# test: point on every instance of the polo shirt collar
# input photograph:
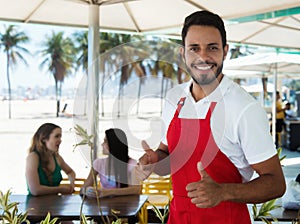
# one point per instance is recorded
(217, 94)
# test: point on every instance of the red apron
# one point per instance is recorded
(191, 141)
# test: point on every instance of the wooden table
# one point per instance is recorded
(282, 215)
(285, 215)
(67, 207)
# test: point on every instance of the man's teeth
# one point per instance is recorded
(203, 67)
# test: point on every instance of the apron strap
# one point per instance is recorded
(210, 110)
(180, 104)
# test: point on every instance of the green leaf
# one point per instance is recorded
(265, 210)
(157, 211)
(254, 210)
(47, 219)
(118, 221)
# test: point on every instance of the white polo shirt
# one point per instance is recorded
(239, 124)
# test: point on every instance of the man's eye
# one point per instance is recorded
(213, 48)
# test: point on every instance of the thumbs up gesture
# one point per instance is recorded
(205, 193)
(149, 157)
(146, 164)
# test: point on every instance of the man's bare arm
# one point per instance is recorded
(270, 184)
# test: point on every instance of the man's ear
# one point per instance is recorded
(182, 53)
(225, 51)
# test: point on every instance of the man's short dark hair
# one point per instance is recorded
(204, 18)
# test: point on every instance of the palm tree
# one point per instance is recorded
(81, 42)
(81, 62)
(119, 58)
(58, 55)
(11, 41)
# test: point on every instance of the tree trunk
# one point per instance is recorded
(57, 98)
(9, 86)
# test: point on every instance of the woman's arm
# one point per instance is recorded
(106, 192)
(68, 170)
(33, 180)
(89, 181)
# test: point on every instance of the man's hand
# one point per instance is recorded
(205, 193)
(150, 157)
(145, 165)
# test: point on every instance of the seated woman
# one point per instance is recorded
(116, 172)
(44, 164)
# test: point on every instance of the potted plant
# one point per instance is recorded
(10, 213)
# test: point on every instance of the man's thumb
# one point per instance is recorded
(201, 170)
(145, 145)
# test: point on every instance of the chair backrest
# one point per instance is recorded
(158, 185)
(78, 183)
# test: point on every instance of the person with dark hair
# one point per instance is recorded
(217, 137)
(289, 112)
(44, 163)
(115, 171)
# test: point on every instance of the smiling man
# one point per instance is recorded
(217, 136)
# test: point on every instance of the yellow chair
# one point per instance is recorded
(159, 191)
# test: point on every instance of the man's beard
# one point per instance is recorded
(205, 79)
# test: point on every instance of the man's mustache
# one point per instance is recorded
(201, 63)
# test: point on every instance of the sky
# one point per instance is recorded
(31, 75)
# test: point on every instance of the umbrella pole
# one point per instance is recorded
(93, 73)
(274, 104)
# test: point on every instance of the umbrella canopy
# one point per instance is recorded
(279, 32)
(258, 88)
(268, 63)
(166, 16)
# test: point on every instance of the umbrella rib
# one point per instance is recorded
(196, 5)
(281, 26)
(128, 10)
(261, 30)
(294, 18)
(27, 19)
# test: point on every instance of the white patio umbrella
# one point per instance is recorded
(267, 64)
(258, 88)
